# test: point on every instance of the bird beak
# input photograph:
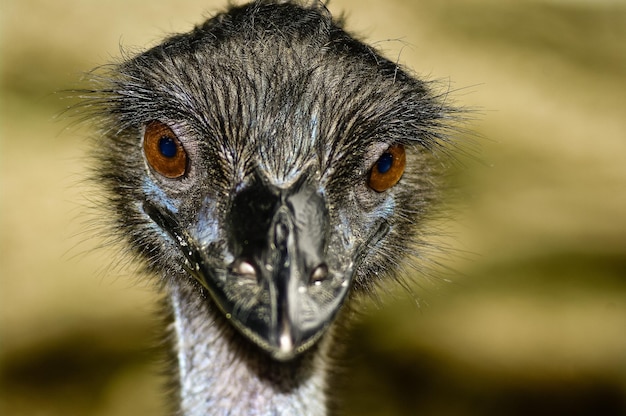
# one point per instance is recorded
(280, 291)
(285, 282)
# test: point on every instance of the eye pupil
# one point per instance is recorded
(167, 147)
(384, 163)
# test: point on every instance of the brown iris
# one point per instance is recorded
(388, 169)
(164, 151)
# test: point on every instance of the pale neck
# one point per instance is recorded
(220, 373)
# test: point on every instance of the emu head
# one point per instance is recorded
(270, 161)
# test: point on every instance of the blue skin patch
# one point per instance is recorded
(207, 228)
(158, 196)
(385, 162)
(167, 147)
(388, 208)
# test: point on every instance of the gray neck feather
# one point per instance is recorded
(221, 374)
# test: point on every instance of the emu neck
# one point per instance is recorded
(221, 373)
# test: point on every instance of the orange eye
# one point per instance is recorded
(163, 150)
(388, 169)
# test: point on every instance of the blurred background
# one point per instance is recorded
(527, 313)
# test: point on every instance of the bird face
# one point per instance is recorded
(278, 258)
(268, 166)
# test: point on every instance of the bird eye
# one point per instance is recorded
(164, 152)
(388, 169)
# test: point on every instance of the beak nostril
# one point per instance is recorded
(319, 274)
(244, 268)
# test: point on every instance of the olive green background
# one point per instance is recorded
(526, 313)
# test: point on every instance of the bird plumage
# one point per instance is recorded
(268, 223)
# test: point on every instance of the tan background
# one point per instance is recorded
(534, 321)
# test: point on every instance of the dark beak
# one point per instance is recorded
(279, 291)
(282, 286)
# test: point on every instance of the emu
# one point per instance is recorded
(271, 169)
